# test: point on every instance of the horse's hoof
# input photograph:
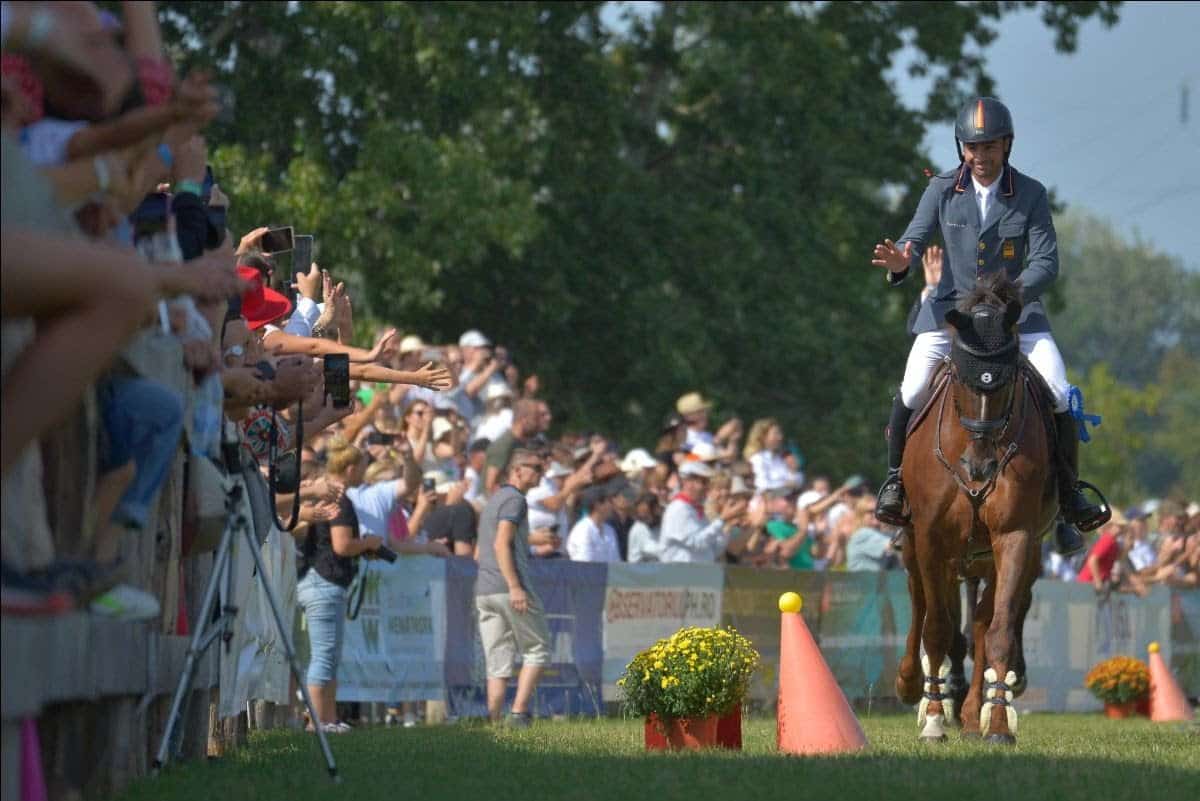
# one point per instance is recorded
(972, 735)
(1001, 739)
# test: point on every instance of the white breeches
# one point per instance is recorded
(930, 348)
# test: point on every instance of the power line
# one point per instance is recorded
(1182, 189)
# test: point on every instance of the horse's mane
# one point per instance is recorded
(992, 290)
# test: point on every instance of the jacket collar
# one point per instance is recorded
(1007, 181)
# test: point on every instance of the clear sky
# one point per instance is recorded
(1102, 125)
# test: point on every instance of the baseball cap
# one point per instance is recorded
(497, 389)
(411, 343)
(808, 498)
(637, 460)
(473, 339)
(703, 451)
(697, 469)
(556, 470)
(1135, 513)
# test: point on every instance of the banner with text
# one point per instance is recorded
(393, 649)
(646, 602)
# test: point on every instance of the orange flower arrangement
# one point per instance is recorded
(1118, 680)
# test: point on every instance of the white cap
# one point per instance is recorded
(637, 460)
(411, 343)
(441, 427)
(473, 339)
(698, 469)
(808, 498)
(556, 470)
(496, 389)
(704, 451)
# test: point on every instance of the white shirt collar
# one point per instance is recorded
(990, 189)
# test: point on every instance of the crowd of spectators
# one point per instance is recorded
(124, 289)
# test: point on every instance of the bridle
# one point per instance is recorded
(981, 429)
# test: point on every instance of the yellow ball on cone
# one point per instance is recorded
(790, 602)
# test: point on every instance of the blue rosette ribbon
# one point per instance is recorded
(1082, 418)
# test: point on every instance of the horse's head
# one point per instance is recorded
(984, 355)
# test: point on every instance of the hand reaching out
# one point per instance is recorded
(383, 346)
(893, 258)
(433, 376)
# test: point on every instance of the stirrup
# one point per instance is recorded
(890, 517)
(1101, 515)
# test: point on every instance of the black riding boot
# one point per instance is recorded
(1073, 506)
(889, 507)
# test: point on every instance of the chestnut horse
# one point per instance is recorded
(981, 489)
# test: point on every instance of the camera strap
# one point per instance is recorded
(358, 591)
(272, 476)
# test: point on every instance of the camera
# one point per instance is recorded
(429, 485)
(386, 554)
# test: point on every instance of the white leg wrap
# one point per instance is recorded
(930, 687)
(985, 714)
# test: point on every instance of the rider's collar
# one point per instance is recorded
(1007, 183)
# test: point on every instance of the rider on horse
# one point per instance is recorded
(991, 218)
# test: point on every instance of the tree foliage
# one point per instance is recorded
(684, 200)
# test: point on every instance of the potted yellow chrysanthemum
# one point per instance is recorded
(1120, 682)
(683, 684)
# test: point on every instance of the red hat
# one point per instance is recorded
(260, 303)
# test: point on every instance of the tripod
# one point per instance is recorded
(208, 629)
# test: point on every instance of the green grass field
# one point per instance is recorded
(1058, 757)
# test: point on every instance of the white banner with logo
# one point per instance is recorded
(645, 602)
(393, 649)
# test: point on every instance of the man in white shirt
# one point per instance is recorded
(687, 536)
(592, 539)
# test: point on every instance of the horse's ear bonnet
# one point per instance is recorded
(985, 350)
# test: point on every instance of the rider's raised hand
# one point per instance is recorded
(932, 260)
(889, 256)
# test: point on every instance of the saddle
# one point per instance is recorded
(939, 383)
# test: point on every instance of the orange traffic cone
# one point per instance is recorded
(1167, 701)
(814, 716)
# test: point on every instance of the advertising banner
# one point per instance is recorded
(572, 595)
(393, 648)
(646, 602)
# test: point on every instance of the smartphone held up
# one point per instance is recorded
(337, 379)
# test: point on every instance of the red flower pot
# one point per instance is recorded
(1125, 710)
(681, 734)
